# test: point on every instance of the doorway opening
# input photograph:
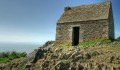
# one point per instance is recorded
(75, 36)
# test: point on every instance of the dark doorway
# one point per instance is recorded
(75, 39)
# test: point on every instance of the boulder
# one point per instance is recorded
(90, 65)
(58, 50)
(64, 65)
(66, 55)
(48, 43)
(110, 59)
(28, 65)
(1, 67)
(75, 53)
(80, 67)
(98, 67)
(45, 64)
(86, 68)
(113, 68)
(86, 56)
(72, 68)
(77, 58)
(53, 56)
(94, 53)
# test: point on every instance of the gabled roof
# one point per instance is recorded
(85, 12)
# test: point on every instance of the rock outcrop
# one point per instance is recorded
(51, 57)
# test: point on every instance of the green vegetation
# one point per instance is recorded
(64, 46)
(65, 61)
(94, 42)
(117, 39)
(7, 56)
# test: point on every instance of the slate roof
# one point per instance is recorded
(85, 12)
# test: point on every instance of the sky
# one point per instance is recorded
(35, 20)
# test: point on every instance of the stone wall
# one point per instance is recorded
(89, 30)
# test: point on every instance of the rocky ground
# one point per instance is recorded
(50, 57)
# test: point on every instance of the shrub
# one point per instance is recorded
(117, 39)
(7, 56)
(4, 60)
(22, 54)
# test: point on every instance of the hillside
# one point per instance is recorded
(51, 57)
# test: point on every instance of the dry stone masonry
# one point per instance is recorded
(94, 22)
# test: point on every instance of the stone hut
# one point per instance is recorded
(84, 23)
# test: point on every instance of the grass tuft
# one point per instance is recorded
(64, 46)
(94, 42)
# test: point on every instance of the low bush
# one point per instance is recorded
(7, 56)
(4, 60)
(117, 39)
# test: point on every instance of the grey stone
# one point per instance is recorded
(98, 67)
(28, 65)
(72, 68)
(45, 64)
(80, 67)
(86, 56)
(92, 29)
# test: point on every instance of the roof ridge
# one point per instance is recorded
(91, 4)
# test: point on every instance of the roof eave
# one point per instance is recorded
(81, 21)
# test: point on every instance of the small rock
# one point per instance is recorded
(64, 66)
(85, 68)
(1, 67)
(48, 49)
(90, 65)
(28, 65)
(87, 56)
(118, 68)
(58, 49)
(76, 58)
(98, 67)
(72, 68)
(80, 67)
(110, 59)
(94, 53)
(76, 53)
(45, 64)
(66, 55)
(71, 49)
(54, 56)
(112, 68)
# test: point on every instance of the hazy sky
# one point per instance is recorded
(35, 20)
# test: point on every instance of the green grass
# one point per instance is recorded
(117, 39)
(7, 56)
(94, 42)
(4, 60)
(64, 46)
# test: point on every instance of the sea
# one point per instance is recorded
(19, 47)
